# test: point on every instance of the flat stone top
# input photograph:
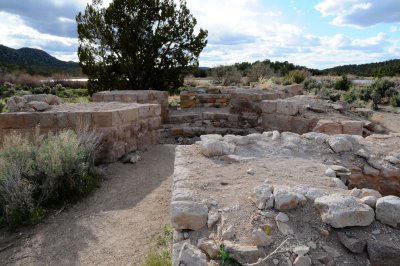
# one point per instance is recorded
(95, 107)
(200, 110)
(135, 92)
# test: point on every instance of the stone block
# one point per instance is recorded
(129, 115)
(328, 127)
(268, 106)
(277, 122)
(353, 127)
(285, 107)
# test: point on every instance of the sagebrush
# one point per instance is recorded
(38, 171)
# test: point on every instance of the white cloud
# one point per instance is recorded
(360, 13)
(393, 29)
(15, 33)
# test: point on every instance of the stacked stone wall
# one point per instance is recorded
(136, 96)
(124, 128)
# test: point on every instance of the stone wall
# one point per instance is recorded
(136, 96)
(124, 127)
(291, 115)
(195, 99)
(249, 100)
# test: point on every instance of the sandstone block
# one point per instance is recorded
(340, 144)
(353, 127)
(286, 107)
(343, 211)
(268, 106)
(189, 215)
(328, 127)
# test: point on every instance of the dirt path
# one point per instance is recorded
(112, 227)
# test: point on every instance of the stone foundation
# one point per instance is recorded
(249, 100)
(124, 127)
(294, 116)
(195, 99)
(136, 96)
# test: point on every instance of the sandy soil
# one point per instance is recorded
(388, 119)
(114, 226)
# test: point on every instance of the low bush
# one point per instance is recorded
(395, 101)
(342, 84)
(295, 76)
(38, 171)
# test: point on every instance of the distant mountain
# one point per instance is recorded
(380, 69)
(30, 57)
(34, 62)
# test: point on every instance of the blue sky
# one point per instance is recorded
(314, 33)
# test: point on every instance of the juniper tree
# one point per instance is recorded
(138, 44)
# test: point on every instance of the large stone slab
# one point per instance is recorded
(188, 215)
(343, 211)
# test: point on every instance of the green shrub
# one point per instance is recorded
(342, 84)
(38, 171)
(295, 76)
(395, 101)
(383, 87)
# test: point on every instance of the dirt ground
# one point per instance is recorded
(388, 119)
(113, 226)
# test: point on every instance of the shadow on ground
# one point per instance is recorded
(113, 226)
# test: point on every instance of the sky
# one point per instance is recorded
(313, 33)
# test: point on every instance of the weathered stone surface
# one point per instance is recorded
(264, 196)
(383, 253)
(285, 200)
(301, 250)
(39, 106)
(370, 201)
(328, 127)
(191, 255)
(314, 193)
(340, 144)
(244, 254)
(211, 148)
(228, 233)
(388, 211)
(353, 244)
(285, 228)
(342, 211)
(353, 127)
(286, 107)
(282, 217)
(213, 217)
(302, 261)
(330, 172)
(260, 239)
(268, 106)
(189, 215)
(369, 170)
(331, 251)
(210, 247)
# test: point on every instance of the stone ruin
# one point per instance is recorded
(323, 192)
(284, 199)
(124, 127)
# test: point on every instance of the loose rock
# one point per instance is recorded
(191, 255)
(302, 261)
(388, 211)
(383, 253)
(340, 144)
(264, 196)
(353, 244)
(212, 147)
(282, 217)
(342, 211)
(260, 238)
